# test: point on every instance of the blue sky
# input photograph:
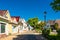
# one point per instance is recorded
(29, 8)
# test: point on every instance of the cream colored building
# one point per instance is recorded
(10, 25)
(5, 26)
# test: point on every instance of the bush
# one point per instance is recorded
(38, 30)
(45, 32)
(58, 31)
(54, 37)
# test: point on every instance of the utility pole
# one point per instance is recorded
(45, 17)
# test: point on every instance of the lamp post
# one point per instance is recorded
(45, 17)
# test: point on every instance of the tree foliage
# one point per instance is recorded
(33, 22)
(56, 5)
(41, 25)
(56, 26)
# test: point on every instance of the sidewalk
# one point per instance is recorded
(9, 37)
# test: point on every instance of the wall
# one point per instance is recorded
(9, 26)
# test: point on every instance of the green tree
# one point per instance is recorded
(33, 22)
(41, 25)
(56, 5)
(56, 26)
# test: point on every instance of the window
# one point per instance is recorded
(2, 28)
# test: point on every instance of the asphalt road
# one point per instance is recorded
(29, 37)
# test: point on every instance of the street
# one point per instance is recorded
(30, 36)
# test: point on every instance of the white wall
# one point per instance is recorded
(15, 30)
(6, 29)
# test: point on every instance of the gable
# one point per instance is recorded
(16, 18)
(8, 15)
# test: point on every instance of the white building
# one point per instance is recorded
(24, 26)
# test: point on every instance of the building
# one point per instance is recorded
(23, 25)
(58, 22)
(5, 26)
(11, 24)
(15, 20)
(51, 22)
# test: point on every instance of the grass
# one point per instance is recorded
(53, 34)
(53, 37)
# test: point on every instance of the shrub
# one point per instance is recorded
(58, 35)
(58, 31)
(45, 32)
(54, 37)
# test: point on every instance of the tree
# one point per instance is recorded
(56, 26)
(33, 22)
(56, 5)
(41, 25)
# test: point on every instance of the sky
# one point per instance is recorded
(30, 9)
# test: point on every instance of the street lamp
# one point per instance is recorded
(45, 17)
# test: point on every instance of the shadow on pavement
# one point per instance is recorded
(29, 37)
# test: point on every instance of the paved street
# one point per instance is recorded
(29, 37)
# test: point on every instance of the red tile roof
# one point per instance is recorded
(58, 21)
(16, 17)
(51, 22)
(3, 12)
